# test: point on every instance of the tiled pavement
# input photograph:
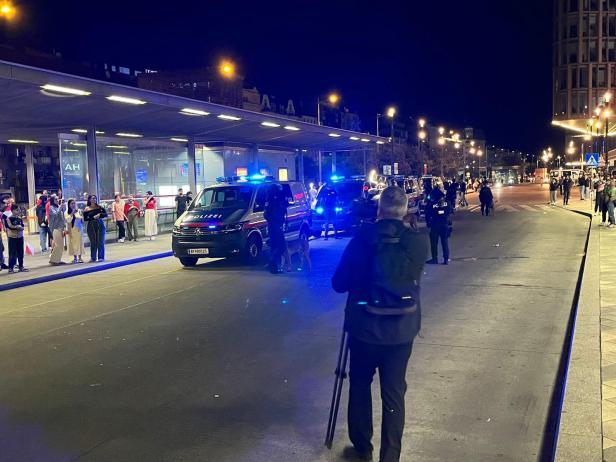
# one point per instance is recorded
(608, 341)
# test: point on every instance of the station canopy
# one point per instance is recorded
(37, 104)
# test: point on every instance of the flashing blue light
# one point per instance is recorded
(212, 226)
(257, 176)
(336, 178)
(362, 303)
(320, 210)
(338, 209)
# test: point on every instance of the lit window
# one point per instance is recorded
(283, 174)
(241, 171)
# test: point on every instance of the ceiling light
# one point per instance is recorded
(116, 146)
(228, 117)
(270, 124)
(354, 138)
(99, 133)
(179, 140)
(334, 135)
(194, 112)
(129, 135)
(365, 140)
(380, 142)
(124, 99)
(291, 127)
(122, 153)
(71, 150)
(18, 141)
(79, 144)
(79, 130)
(66, 90)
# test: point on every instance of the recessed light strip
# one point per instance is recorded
(20, 141)
(126, 100)
(179, 140)
(193, 112)
(270, 124)
(228, 117)
(129, 135)
(65, 90)
(291, 128)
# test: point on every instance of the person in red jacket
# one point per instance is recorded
(151, 216)
(132, 212)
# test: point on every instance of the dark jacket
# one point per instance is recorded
(554, 184)
(354, 274)
(567, 184)
(485, 195)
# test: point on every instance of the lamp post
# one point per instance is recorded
(333, 98)
(391, 113)
(7, 11)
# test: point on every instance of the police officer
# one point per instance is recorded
(275, 213)
(329, 204)
(438, 215)
(567, 185)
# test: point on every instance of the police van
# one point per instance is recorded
(227, 219)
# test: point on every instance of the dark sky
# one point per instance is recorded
(481, 63)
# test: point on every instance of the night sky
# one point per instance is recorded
(481, 63)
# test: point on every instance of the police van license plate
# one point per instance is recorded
(198, 251)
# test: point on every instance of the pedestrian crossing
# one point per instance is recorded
(533, 208)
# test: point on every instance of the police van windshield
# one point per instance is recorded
(226, 197)
(345, 192)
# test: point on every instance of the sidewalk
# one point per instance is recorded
(588, 419)
(115, 255)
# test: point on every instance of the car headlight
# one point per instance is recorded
(176, 230)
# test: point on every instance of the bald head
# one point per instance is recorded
(393, 203)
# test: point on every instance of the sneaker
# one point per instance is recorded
(352, 454)
(24, 270)
(11, 270)
(446, 262)
(80, 260)
(433, 261)
(120, 240)
(92, 260)
(610, 225)
(3, 266)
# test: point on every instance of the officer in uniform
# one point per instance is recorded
(438, 219)
(276, 214)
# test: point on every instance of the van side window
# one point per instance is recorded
(260, 199)
(299, 194)
(286, 188)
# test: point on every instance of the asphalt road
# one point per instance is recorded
(153, 362)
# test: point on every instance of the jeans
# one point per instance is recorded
(16, 252)
(485, 208)
(553, 197)
(582, 192)
(276, 244)
(43, 238)
(566, 194)
(392, 362)
(121, 229)
(441, 232)
(598, 199)
(96, 234)
(610, 211)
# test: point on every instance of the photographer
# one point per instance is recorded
(389, 254)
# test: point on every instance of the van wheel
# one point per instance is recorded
(188, 261)
(254, 247)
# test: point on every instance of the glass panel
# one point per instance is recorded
(209, 166)
(593, 26)
(562, 79)
(583, 102)
(593, 51)
(594, 5)
(594, 77)
(584, 77)
(137, 166)
(612, 25)
(574, 78)
(283, 174)
(572, 49)
(74, 167)
(602, 77)
(573, 5)
(574, 104)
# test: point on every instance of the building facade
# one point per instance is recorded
(584, 67)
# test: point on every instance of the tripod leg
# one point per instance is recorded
(340, 376)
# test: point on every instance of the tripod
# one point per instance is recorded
(341, 374)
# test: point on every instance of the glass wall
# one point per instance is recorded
(135, 166)
(209, 165)
(74, 167)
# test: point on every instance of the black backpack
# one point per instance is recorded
(392, 291)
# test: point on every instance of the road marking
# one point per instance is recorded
(528, 208)
(506, 208)
(515, 208)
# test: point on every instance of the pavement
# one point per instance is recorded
(223, 362)
(117, 253)
(590, 403)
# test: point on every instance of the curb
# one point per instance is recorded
(79, 272)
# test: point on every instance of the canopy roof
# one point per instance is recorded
(29, 112)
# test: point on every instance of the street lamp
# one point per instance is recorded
(391, 113)
(442, 141)
(333, 98)
(7, 11)
(226, 68)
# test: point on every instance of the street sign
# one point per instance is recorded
(395, 168)
(386, 169)
(592, 159)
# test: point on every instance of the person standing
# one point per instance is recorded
(93, 216)
(330, 200)
(3, 225)
(599, 187)
(74, 230)
(276, 214)
(567, 184)
(56, 226)
(189, 198)
(486, 199)
(15, 231)
(151, 216)
(553, 190)
(376, 340)
(312, 193)
(582, 185)
(610, 193)
(41, 218)
(181, 203)
(438, 214)
(463, 202)
(117, 213)
(132, 213)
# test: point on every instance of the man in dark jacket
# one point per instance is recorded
(553, 190)
(486, 199)
(567, 185)
(377, 341)
(438, 219)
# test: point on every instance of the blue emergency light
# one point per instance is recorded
(336, 178)
(320, 210)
